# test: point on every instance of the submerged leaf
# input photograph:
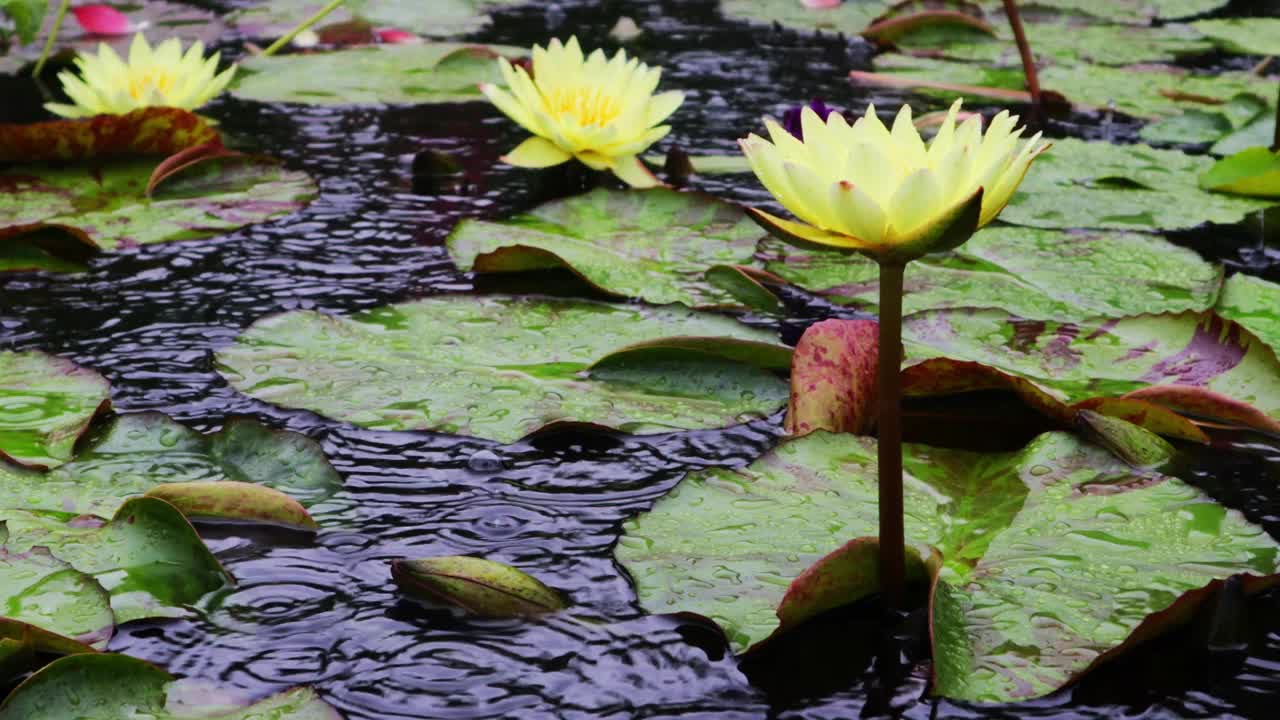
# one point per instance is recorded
(46, 403)
(481, 587)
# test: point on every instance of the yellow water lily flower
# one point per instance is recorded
(885, 193)
(162, 76)
(601, 111)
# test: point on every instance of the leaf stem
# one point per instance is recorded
(1024, 49)
(289, 36)
(53, 35)
(1275, 139)
(889, 453)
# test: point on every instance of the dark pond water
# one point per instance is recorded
(324, 612)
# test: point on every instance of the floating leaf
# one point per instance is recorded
(148, 556)
(655, 245)
(1252, 302)
(1059, 368)
(39, 589)
(439, 18)
(833, 378)
(1248, 36)
(502, 368)
(481, 587)
(1136, 446)
(402, 73)
(1100, 185)
(106, 205)
(46, 403)
(1210, 123)
(25, 648)
(1133, 12)
(1261, 131)
(1254, 172)
(231, 500)
(136, 454)
(147, 131)
(850, 18)
(1070, 548)
(108, 686)
(1034, 274)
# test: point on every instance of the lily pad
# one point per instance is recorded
(46, 403)
(39, 589)
(1059, 548)
(850, 17)
(1252, 302)
(147, 131)
(438, 18)
(26, 648)
(1082, 184)
(105, 205)
(157, 19)
(147, 556)
(1133, 12)
(480, 587)
(502, 367)
(1248, 36)
(407, 73)
(1034, 274)
(655, 245)
(136, 454)
(108, 686)
(1254, 172)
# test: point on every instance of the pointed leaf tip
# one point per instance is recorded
(481, 587)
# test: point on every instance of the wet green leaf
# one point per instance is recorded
(26, 16)
(1254, 172)
(135, 454)
(850, 17)
(1135, 12)
(1247, 36)
(38, 589)
(502, 367)
(1208, 123)
(1034, 274)
(481, 587)
(1254, 304)
(46, 402)
(1050, 556)
(1257, 133)
(108, 686)
(147, 556)
(1138, 447)
(231, 500)
(425, 73)
(655, 245)
(438, 18)
(105, 203)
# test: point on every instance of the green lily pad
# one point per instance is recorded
(425, 73)
(1068, 548)
(147, 556)
(1252, 302)
(1133, 12)
(850, 17)
(438, 18)
(138, 453)
(502, 367)
(46, 403)
(1034, 274)
(105, 204)
(1254, 172)
(1082, 184)
(1260, 132)
(1247, 36)
(39, 589)
(108, 686)
(1143, 357)
(655, 245)
(1212, 123)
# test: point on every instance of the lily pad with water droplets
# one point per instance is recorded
(1248, 36)
(437, 18)
(655, 245)
(46, 403)
(425, 73)
(1135, 12)
(503, 367)
(1058, 547)
(41, 590)
(1034, 274)
(849, 17)
(1253, 303)
(108, 686)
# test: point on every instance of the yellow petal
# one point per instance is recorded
(808, 199)
(511, 107)
(857, 213)
(661, 106)
(914, 204)
(536, 152)
(632, 171)
(802, 234)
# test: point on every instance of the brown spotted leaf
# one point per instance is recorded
(833, 378)
(153, 131)
(231, 500)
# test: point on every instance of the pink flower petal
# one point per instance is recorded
(395, 36)
(102, 20)
(820, 4)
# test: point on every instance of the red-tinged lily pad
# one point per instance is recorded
(655, 245)
(105, 204)
(479, 586)
(1129, 367)
(1076, 553)
(147, 556)
(833, 378)
(149, 131)
(46, 403)
(49, 594)
(140, 454)
(502, 368)
(107, 686)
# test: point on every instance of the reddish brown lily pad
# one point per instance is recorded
(149, 131)
(833, 378)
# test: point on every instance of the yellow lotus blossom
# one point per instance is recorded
(885, 193)
(163, 76)
(601, 111)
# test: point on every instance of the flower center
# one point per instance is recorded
(141, 83)
(587, 105)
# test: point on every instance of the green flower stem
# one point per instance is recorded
(1024, 49)
(889, 460)
(1275, 139)
(289, 36)
(53, 35)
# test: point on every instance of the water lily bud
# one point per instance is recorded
(481, 587)
(600, 111)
